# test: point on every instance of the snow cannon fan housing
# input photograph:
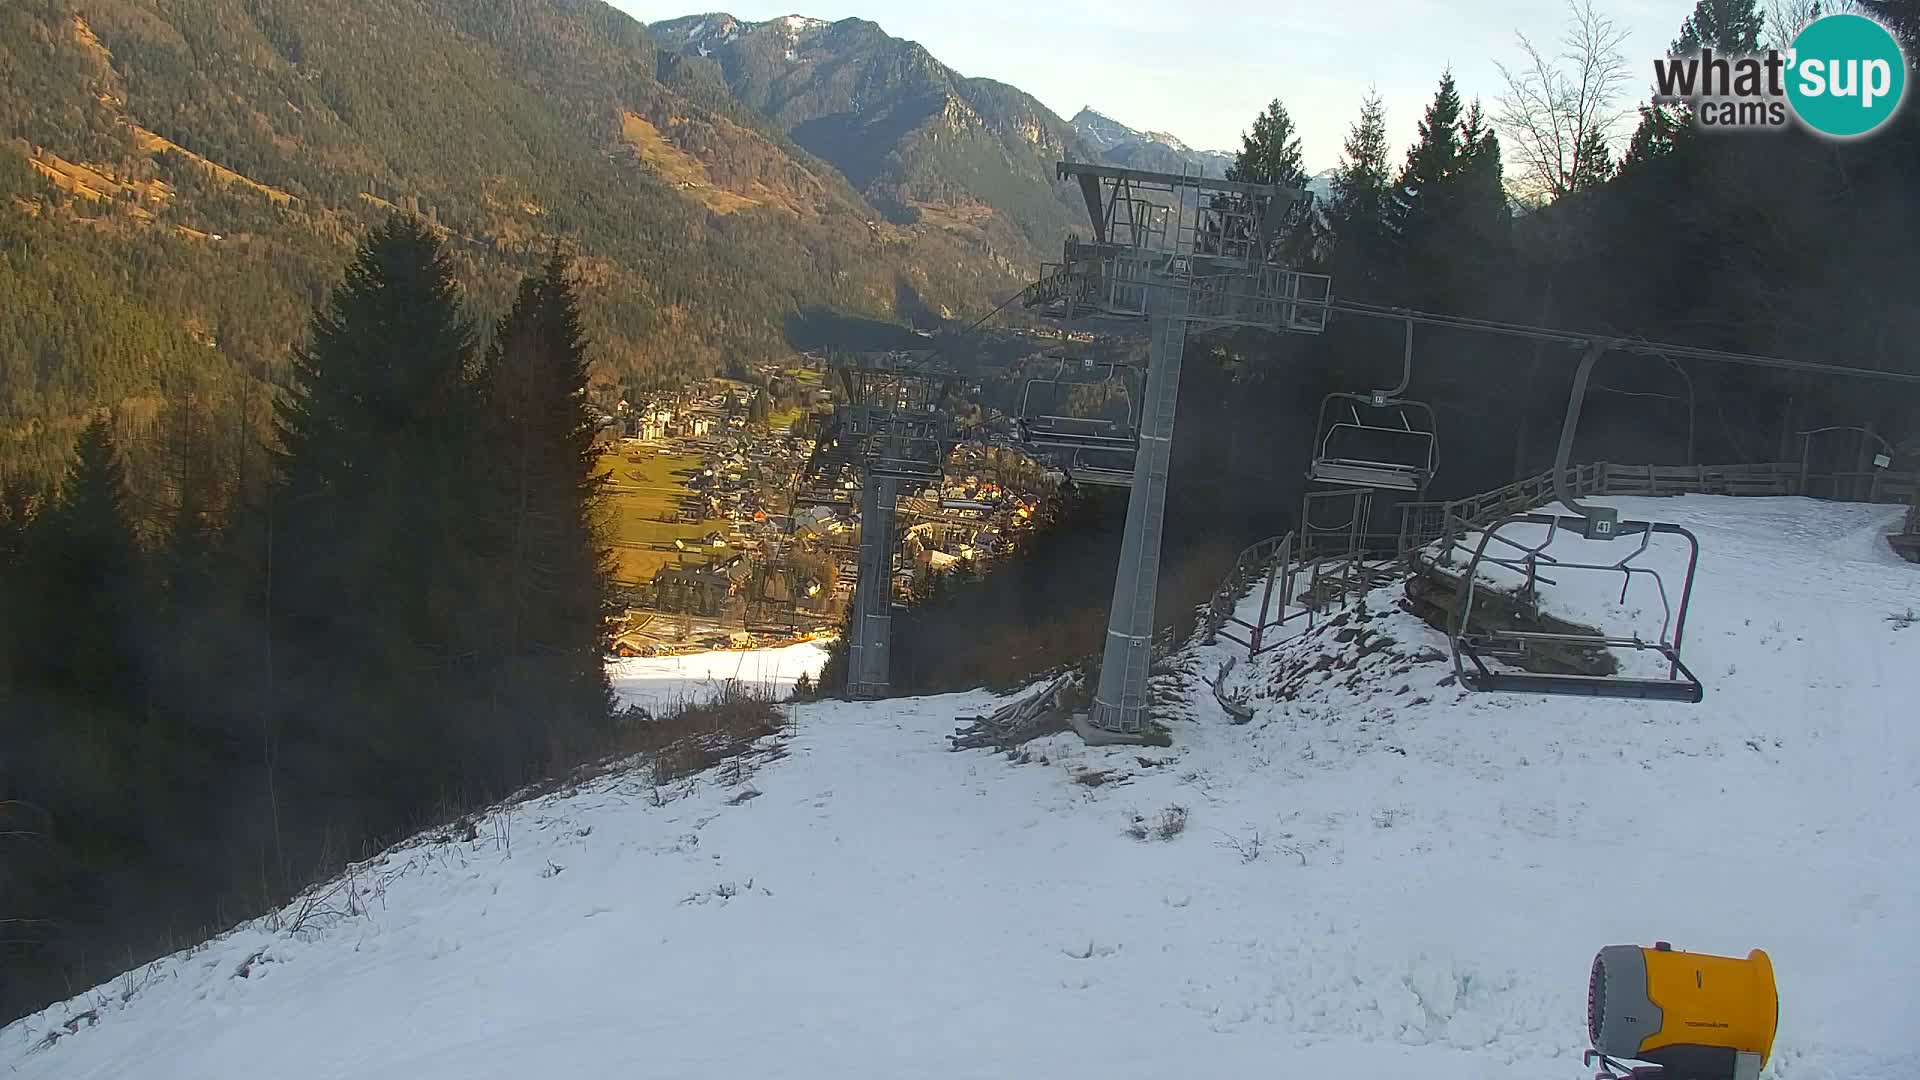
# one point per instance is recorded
(1692, 1016)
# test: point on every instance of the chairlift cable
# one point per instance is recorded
(1623, 343)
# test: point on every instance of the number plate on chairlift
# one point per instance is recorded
(1602, 523)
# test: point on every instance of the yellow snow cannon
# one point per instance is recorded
(1690, 1016)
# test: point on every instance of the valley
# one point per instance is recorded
(493, 493)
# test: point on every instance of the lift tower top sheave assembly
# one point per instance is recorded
(900, 432)
(1181, 252)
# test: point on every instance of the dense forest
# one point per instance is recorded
(212, 696)
(1781, 244)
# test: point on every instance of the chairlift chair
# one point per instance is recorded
(1349, 451)
(1382, 447)
(1471, 650)
(1081, 470)
(1679, 685)
(1071, 438)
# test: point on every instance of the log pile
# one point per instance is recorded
(1433, 595)
(1042, 712)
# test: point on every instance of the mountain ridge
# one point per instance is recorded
(1119, 144)
(920, 141)
(250, 141)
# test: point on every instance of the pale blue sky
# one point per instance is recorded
(1203, 70)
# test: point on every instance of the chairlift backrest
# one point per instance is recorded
(1371, 441)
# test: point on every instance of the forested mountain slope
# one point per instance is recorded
(206, 163)
(921, 141)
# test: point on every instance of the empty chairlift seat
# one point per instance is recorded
(1373, 442)
(1090, 450)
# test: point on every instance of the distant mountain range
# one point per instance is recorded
(719, 179)
(921, 142)
(1118, 144)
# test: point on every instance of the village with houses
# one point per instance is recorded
(714, 545)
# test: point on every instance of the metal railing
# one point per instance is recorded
(1298, 579)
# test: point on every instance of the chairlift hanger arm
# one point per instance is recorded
(1406, 372)
(1576, 398)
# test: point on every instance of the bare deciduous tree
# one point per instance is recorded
(1559, 113)
(1786, 18)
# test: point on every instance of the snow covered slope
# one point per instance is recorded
(1378, 877)
(661, 682)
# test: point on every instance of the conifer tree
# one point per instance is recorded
(1270, 153)
(86, 569)
(1662, 129)
(1432, 161)
(1426, 197)
(372, 588)
(1482, 201)
(1479, 234)
(17, 505)
(1900, 16)
(1725, 26)
(1361, 201)
(545, 565)
(1595, 160)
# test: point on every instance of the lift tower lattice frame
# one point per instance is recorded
(1185, 254)
(899, 430)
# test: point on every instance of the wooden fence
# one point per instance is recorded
(1423, 523)
(1323, 574)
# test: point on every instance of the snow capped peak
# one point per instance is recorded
(796, 24)
(1104, 131)
(713, 29)
(1166, 139)
(704, 33)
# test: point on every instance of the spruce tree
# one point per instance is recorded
(1361, 201)
(87, 584)
(545, 564)
(1903, 18)
(1593, 162)
(1662, 129)
(1479, 232)
(1725, 26)
(1270, 153)
(1481, 201)
(371, 586)
(1432, 161)
(18, 501)
(1425, 200)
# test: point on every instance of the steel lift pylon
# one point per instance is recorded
(899, 431)
(1183, 253)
